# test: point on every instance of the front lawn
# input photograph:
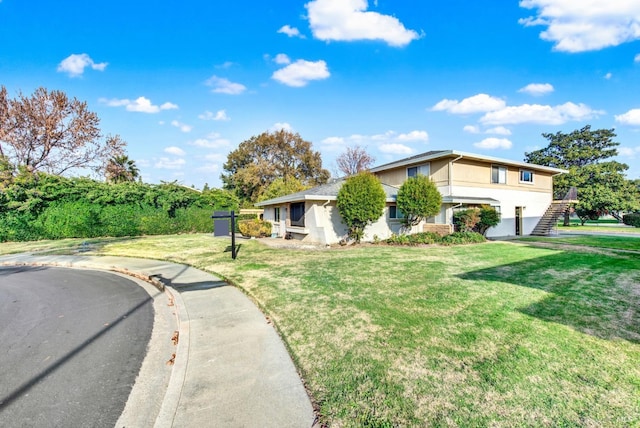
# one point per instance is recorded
(631, 243)
(496, 334)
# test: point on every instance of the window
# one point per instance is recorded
(526, 176)
(395, 213)
(297, 214)
(420, 169)
(276, 214)
(498, 174)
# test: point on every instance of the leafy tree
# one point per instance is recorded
(49, 132)
(120, 169)
(281, 187)
(489, 217)
(258, 161)
(418, 199)
(466, 220)
(601, 183)
(361, 201)
(354, 160)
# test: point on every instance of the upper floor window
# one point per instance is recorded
(420, 169)
(498, 174)
(526, 176)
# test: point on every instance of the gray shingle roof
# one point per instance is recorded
(324, 192)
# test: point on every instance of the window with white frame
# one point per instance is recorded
(276, 214)
(526, 176)
(498, 174)
(395, 213)
(419, 169)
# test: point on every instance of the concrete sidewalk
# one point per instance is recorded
(231, 367)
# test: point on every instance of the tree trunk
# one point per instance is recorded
(567, 222)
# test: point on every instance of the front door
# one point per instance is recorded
(518, 221)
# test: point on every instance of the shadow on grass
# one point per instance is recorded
(591, 293)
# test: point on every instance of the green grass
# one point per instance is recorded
(497, 334)
(608, 242)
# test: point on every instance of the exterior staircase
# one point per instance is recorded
(553, 213)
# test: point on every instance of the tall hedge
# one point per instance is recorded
(43, 206)
(361, 201)
(418, 199)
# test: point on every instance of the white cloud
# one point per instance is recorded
(480, 103)
(395, 148)
(281, 126)
(212, 141)
(636, 58)
(220, 115)
(75, 64)
(182, 126)
(629, 152)
(494, 143)
(333, 143)
(540, 114)
(216, 157)
(348, 20)
(141, 105)
(173, 150)
(414, 136)
(537, 89)
(221, 85)
(282, 59)
(387, 142)
(498, 130)
(608, 76)
(301, 72)
(290, 31)
(632, 117)
(585, 25)
(166, 163)
(210, 168)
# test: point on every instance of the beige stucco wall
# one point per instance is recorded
(534, 205)
(466, 172)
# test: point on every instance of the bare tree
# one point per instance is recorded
(354, 160)
(49, 132)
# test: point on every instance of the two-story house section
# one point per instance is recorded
(521, 192)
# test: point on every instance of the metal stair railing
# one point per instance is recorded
(553, 212)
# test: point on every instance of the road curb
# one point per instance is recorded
(173, 394)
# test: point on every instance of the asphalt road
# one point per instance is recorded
(71, 345)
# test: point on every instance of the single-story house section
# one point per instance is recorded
(521, 192)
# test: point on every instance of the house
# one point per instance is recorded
(521, 192)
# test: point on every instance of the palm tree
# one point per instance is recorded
(121, 169)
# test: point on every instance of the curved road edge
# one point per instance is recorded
(231, 367)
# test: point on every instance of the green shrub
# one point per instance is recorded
(71, 220)
(120, 220)
(156, 222)
(361, 201)
(489, 217)
(19, 226)
(418, 199)
(194, 220)
(466, 220)
(255, 228)
(631, 219)
(457, 238)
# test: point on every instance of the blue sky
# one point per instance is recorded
(185, 82)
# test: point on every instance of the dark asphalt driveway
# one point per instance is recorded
(71, 345)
